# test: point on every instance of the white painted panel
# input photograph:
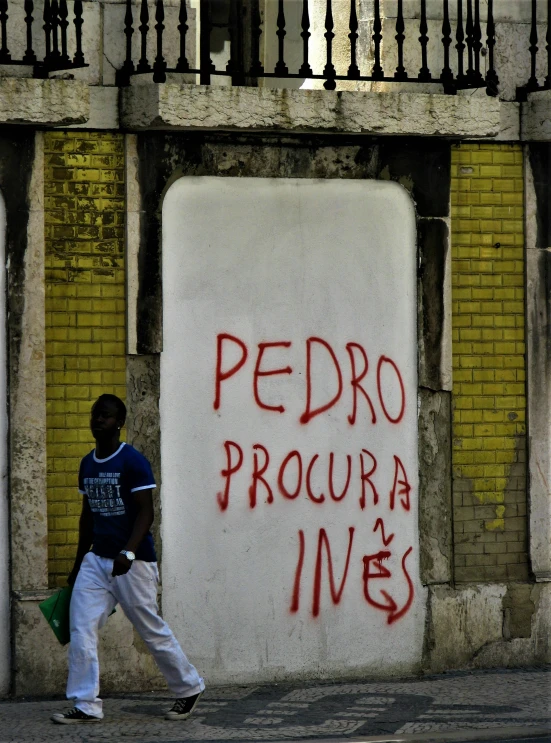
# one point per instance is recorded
(312, 266)
(5, 654)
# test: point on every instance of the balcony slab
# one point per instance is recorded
(43, 102)
(536, 117)
(186, 107)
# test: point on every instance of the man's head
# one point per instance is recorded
(107, 417)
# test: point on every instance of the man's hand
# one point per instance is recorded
(121, 565)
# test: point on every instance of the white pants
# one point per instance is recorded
(95, 595)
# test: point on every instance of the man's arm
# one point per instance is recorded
(142, 524)
(85, 538)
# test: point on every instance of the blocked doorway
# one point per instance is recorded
(289, 427)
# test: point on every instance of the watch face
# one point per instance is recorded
(129, 555)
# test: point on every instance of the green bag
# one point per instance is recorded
(56, 612)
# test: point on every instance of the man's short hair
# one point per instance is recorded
(121, 407)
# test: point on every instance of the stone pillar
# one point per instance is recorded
(27, 395)
(538, 350)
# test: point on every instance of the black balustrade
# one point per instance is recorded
(143, 64)
(235, 66)
(281, 69)
(54, 26)
(446, 76)
(460, 55)
(5, 56)
(257, 68)
(329, 71)
(159, 68)
(305, 68)
(538, 81)
(29, 57)
(400, 37)
(377, 73)
(353, 69)
(492, 80)
(183, 28)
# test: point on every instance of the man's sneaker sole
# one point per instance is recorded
(60, 719)
(184, 716)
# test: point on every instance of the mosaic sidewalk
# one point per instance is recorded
(482, 701)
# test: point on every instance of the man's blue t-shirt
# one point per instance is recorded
(109, 485)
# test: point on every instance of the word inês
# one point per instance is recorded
(388, 379)
(374, 571)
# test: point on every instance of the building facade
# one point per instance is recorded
(323, 296)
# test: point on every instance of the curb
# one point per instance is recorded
(459, 736)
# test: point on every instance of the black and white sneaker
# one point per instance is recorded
(72, 717)
(183, 708)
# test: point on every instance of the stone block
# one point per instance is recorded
(104, 109)
(536, 117)
(43, 102)
(184, 107)
(489, 626)
(435, 502)
(463, 621)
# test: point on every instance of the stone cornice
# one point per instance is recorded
(187, 107)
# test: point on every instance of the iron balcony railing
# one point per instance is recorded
(53, 38)
(537, 81)
(466, 44)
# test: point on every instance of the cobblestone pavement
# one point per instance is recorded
(497, 700)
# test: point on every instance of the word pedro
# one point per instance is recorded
(359, 366)
(302, 476)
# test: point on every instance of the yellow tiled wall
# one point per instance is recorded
(85, 313)
(489, 404)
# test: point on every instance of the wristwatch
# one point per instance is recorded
(129, 555)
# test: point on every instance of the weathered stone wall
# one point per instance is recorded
(88, 97)
(485, 626)
(538, 340)
(5, 603)
(188, 107)
(85, 330)
(21, 152)
(501, 623)
(505, 624)
(297, 134)
(423, 168)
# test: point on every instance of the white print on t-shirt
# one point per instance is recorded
(104, 494)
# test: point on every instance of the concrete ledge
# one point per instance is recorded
(498, 734)
(536, 117)
(43, 102)
(181, 107)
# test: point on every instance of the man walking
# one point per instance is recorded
(116, 483)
